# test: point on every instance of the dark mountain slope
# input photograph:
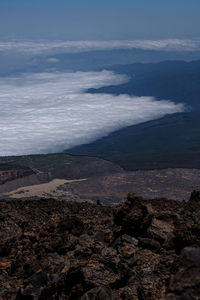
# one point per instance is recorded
(178, 81)
(172, 141)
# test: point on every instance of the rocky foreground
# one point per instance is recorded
(143, 249)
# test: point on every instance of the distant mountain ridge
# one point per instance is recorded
(15, 63)
(178, 81)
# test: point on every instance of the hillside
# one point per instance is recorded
(170, 142)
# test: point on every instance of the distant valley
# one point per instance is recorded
(82, 178)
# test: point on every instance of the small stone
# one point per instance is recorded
(149, 244)
(100, 293)
(5, 265)
(191, 254)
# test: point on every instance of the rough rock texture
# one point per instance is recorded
(9, 175)
(143, 249)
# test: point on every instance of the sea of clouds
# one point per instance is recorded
(50, 112)
(51, 47)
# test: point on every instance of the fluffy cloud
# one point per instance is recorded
(49, 112)
(52, 47)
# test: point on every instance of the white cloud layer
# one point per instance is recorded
(51, 47)
(49, 112)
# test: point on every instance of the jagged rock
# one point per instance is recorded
(4, 264)
(160, 230)
(99, 293)
(130, 215)
(35, 285)
(103, 235)
(72, 224)
(125, 238)
(132, 197)
(142, 249)
(195, 197)
(126, 246)
(149, 244)
(191, 255)
(186, 281)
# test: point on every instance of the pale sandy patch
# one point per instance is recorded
(49, 189)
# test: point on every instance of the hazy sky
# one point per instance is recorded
(99, 19)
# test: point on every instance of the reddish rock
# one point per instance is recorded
(142, 249)
(9, 175)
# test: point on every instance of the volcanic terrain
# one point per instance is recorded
(142, 249)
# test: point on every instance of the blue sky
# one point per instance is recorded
(99, 20)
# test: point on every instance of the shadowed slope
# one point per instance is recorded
(170, 142)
